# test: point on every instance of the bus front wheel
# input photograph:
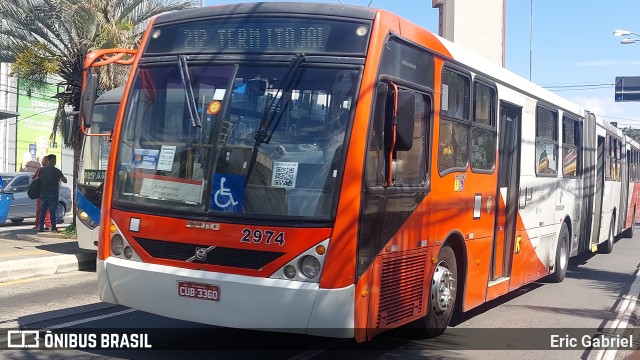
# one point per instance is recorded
(442, 293)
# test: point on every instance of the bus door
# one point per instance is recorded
(589, 156)
(508, 185)
(597, 212)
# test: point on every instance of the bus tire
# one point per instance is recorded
(607, 246)
(562, 255)
(442, 293)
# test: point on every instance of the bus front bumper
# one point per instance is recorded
(243, 301)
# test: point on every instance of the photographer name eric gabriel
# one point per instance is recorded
(598, 341)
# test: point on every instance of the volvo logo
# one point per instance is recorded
(201, 254)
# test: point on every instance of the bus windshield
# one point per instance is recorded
(95, 151)
(269, 142)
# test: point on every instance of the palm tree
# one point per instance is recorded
(44, 38)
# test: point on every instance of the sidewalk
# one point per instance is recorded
(25, 253)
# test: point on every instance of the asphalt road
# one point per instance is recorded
(597, 290)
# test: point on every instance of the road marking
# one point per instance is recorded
(83, 321)
(625, 311)
(21, 281)
(24, 252)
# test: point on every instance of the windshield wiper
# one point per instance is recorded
(262, 134)
(188, 91)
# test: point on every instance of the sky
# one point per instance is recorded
(572, 44)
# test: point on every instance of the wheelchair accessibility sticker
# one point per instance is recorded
(227, 192)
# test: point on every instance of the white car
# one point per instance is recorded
(22, 207)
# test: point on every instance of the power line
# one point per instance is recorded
(578, 86)
(582, 89)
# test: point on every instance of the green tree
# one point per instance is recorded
(44, 38)
(633, 133)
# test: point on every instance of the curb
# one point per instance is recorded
(25, 268)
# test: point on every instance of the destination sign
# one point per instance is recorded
(94, 175)
(261, 35)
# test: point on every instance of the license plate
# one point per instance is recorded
(198, 291)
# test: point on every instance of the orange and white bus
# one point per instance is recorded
(337, 170)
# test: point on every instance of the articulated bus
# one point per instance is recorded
(337, 170)
(93, 166)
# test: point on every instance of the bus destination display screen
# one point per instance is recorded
(260, 36)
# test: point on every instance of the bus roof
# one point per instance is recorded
(349, 11)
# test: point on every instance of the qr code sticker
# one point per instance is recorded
(284, 174)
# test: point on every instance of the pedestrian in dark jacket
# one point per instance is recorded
(50, 178)
(47, 220)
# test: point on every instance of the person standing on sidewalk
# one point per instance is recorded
(47, 220)
(50, 177)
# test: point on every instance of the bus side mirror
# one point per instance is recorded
(88, 99)
(378, 140)
(405, 117)
(68, 126)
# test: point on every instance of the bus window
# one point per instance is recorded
(570, 147)
(454, 124)
(483, 130)
(546, 142)
(409, 165)
(452, 152)
(272, 146)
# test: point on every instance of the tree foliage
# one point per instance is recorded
(633, 133)
(50, 38)
(44, 38)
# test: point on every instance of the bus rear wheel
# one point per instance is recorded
(442, 293)
(607, 246)
(562, 255)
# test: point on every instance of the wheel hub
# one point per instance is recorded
(442, 289)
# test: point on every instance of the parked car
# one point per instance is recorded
(22, 207)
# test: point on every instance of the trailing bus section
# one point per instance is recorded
(95, 157)
(337, 170)
(98, 118)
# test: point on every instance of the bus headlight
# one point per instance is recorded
(310, 266)
(120, 247)
(307, 266)
(117, 245)
(290, 271)
(128, 252)
(86, 220)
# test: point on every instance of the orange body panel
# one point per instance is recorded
(363, 295)
(297, 240)
(478, 265)
(107, 195)
(634, 205)
(518, 263)
(341, 262)
(497, 289)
